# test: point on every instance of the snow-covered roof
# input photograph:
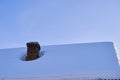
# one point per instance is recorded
(85, 59)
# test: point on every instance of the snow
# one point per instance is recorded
(58, 62)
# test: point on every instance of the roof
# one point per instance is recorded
(85, 58)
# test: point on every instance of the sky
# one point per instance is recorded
(53, 22)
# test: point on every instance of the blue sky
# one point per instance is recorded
(58, 21)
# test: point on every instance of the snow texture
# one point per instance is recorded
(62, 62)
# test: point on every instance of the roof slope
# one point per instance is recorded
(85, 58)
